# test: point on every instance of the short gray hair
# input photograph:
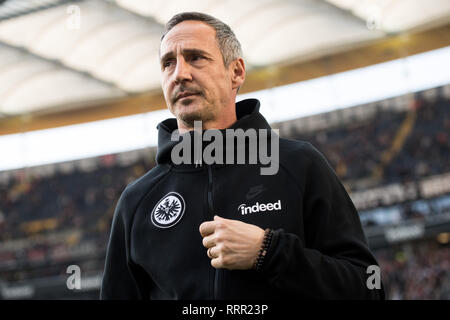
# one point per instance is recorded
(228, 43)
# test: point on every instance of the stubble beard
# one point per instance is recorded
(205, 113)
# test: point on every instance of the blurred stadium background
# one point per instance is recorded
(367, 82)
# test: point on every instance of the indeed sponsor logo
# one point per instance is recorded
(259, 207)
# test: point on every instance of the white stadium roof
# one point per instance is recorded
(57, 52)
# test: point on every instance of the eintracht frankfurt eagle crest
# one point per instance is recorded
(168, 211)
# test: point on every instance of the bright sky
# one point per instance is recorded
(360, 86)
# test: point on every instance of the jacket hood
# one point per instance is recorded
(248, 116)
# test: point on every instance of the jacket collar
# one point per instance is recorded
(248, 116)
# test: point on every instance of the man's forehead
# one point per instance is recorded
(189, 34)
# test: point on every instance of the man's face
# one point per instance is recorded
(196, 84)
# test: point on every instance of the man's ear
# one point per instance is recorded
(238, 73)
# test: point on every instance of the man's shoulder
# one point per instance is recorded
(303, 157)
(137, 189)
(300, 149)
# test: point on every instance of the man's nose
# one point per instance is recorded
(182, 71)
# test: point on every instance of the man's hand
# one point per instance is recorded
(231, 244)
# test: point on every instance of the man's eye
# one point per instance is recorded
(196, 57)
(167, 64)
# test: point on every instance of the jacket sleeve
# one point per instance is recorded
(122, 279)
(331, 261)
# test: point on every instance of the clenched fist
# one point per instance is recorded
(231, 244)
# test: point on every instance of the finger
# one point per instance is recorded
(213, 252)
(209, 241)
(206, 228)
(218, 218)
(216, 263)
(208, 253)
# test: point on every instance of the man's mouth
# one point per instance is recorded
(184, 95)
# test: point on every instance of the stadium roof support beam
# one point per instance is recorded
(61, 65)
(136, 14)
(30, 10)
(347, 13)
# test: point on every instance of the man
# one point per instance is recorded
(225, 231)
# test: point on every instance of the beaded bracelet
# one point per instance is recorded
(264, 248)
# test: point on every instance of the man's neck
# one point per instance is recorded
(222, 123)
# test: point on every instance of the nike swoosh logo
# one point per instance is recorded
(254, 191)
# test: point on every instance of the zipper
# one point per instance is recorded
(211, 212)
(210, 199)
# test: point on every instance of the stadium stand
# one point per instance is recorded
(415, 271)
(392, 157)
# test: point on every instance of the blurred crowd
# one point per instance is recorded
(427, 149)
(49, 223)
(357, 150)
(79, 205)
(81, 200)
(416, 271)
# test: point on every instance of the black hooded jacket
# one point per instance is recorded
(318, 249)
